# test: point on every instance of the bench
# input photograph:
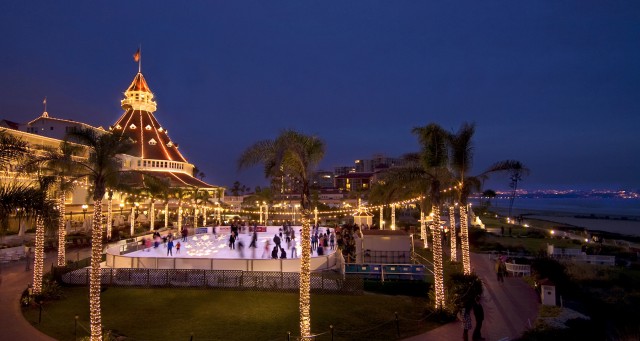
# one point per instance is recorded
(518, 269)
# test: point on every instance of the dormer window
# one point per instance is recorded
(170, 144)
(132, 126)
(160, 129)
(152, 142)
(148, 127)
(118, 126)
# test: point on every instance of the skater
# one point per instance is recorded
(170, 247)
(274, 252)
(276, 240)
(267, 246)
(283, 254)
(232, 241)
(332, 241)
(147, 243)
(241, 248)
(185, 233)
(178, 248)
(294, 249)
(254, 239)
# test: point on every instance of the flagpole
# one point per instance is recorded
(140, 59)
(45, 103)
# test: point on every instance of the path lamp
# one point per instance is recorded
(121, 207)
(84, 212)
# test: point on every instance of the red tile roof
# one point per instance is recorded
(139, 84)
(150, 143)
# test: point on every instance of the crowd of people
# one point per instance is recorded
(282, 245)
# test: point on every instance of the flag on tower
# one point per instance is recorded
(136, 56)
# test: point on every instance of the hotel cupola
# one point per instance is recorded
(153, 152)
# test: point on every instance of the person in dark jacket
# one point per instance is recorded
(274, 253)
(276, 240)
(478, 312)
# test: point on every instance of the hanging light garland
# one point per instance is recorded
(95, 316)
(38, 263)
(62, 230)
(438, 271)
(452, 228)
(464, 240)
(305, 277)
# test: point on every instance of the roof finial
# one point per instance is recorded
(138, 57)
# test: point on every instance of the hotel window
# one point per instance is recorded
(132, 126)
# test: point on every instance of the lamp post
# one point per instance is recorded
(84, 212)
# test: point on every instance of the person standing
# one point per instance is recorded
(466, 321)
(170, 247)
(276, 240)
(478, 312)
(499, 273)
(178, 248)
(232, 241)
(294, 249)
(254, 239)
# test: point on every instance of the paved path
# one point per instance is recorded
(509, 308)
(13, 280)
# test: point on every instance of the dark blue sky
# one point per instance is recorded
(555, 84)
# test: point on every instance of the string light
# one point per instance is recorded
(393, 217)
(452, 228)
(62, 230)
(438, 272)
(153, 214)
(305, 276)
(109, 216)
(95, 316)
(464, 240)
(423, 229)
(38, 263)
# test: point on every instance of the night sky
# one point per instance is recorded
(554, 84)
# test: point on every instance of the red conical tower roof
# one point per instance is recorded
(139, 84)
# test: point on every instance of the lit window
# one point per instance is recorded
(160, 129)
(118, 126)
(152, 142)
(170, 144)
(148, 127)
(132, 126)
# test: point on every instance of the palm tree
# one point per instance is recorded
(60, 163)
(44, 211)
(465, 184)
(98, 168)
(461, 162)
(181, 194)
(433, 157)
(155, 188)
(12, 149)
(295, 154)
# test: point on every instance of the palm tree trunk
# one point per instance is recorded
(179, 216)
(152, 212)
(62, 231)
(132, 219)
(438, 271)
(95, 273)
(166, 215)
(38, 264)
(305, 276)
(109, 216)
(452, 228)
(464, 240)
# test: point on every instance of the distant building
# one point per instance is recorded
(354, 181)
(342, 170)
(323, 179)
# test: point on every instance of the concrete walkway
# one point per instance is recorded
(13, 280)
(509, 308)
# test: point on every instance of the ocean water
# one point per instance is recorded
(577, 206)
(565, 210)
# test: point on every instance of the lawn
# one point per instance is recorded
(173, 314)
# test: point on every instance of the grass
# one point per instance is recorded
(173, 314)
